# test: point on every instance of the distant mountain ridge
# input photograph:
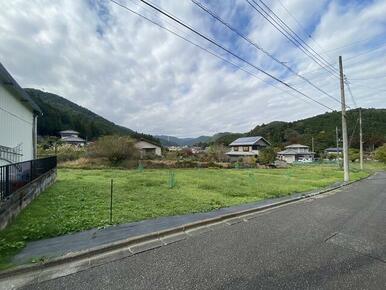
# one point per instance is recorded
(175, 141)
(322, 129)
(61, 114)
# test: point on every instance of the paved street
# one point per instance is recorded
(334, 241)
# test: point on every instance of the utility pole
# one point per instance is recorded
(360, 139)
(312, 144)
(337, 145)
(344, 124)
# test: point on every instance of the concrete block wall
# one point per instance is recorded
(11, 207)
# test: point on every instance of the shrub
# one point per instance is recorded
(114, 148)
(217, 152)
(267, 156)
(380, 153)
(249, 160)
(64, 152)
(353, 154)
(332, 156)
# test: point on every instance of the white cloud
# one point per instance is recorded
(134, 73)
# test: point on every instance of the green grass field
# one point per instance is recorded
(80, 199)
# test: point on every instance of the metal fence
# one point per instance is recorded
(16, 175)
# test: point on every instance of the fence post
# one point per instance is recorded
(30, 171)
(7, 182)
(111, 202)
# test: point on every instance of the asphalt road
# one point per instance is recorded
(334, 241)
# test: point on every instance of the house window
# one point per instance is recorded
(246, 148)
(236, 148)
(254, 147)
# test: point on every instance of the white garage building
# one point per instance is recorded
(18, 121)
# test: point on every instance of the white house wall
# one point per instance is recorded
(16, 124)
(147, 145)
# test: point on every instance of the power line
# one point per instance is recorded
(299, 24)
(349, 44)
(228, 51)
(350, 92)
(366, 52)
(294, 34)
(294, 41)
(353, 132)
(368, 79)
(213, 14)
(214, 54)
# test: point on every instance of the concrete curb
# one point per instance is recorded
(130, 242)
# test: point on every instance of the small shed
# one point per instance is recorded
(148, 149)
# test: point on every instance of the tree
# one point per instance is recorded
(217, 152)
(292, 136)
(380, 153)
(267, 156)
(114, 148)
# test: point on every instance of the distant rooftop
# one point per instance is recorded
(69, 132)
(72, 139)
(247, 141)
(294, 152)
(296, 146)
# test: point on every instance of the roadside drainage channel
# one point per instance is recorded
(82, 260)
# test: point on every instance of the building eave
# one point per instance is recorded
(11, 85)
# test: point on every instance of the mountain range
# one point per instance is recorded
(167, 140)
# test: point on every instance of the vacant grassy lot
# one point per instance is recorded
(80, 199)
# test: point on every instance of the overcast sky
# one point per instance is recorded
(138, 75)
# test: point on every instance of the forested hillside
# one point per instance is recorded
(322, 129)
(62, 114)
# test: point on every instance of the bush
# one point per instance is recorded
(353, 154)
(267, 156)
(380, 153)
(217, 152)
(64, 152)
(114, 148)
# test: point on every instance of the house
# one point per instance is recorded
(247, 147)
(18, 121)
(174, 148)
(148, 149)
(296, 153)
(71, 137)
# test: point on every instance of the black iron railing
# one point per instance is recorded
(16, 175)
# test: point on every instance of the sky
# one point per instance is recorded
(139, 75)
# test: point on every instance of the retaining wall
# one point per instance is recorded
(11, 207)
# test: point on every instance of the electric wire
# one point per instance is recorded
(215, 16)
(266, 16)
(227, 50)
(214, 54)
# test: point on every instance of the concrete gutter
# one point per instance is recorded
(131, 244)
